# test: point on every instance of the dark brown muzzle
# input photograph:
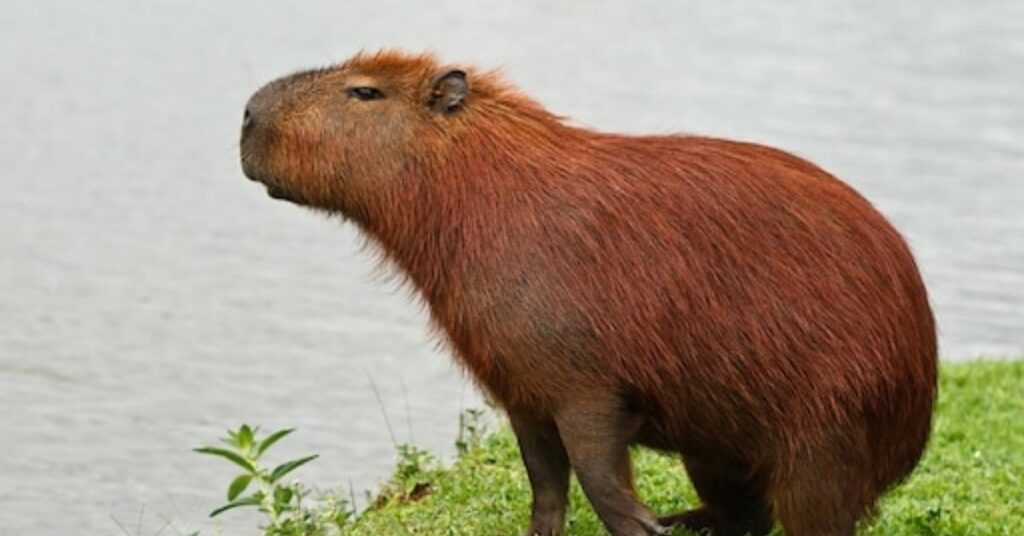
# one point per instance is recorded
(264, 124)
(256, 121)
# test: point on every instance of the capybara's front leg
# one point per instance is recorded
(596, 434)
(547, 466)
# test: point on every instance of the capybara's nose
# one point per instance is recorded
(249, 144)
(256, 110)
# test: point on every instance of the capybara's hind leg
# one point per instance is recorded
(547, 467)
(732, 506)
(822, 493)
(596, 435)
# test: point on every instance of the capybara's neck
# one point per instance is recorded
(457, 195)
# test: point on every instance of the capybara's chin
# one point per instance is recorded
(724, 300)
(273, 187)
(277, 192)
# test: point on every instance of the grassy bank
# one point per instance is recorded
(971, 481)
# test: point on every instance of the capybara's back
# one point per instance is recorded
(723, 300)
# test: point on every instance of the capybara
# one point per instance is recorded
(722, 300)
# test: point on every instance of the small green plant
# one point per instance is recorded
(282, 503)
(413, 479)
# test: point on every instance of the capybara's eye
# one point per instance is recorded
(365, 93)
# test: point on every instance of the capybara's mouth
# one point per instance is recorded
(277, 192)
(251, 172)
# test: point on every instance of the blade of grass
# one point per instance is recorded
(383, 410)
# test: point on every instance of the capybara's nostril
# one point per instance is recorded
(247, 118)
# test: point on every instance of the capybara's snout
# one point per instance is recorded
(250, 150)
(260, 134)
(260, 108)
(246, 157)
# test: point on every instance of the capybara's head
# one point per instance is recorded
(333, 138)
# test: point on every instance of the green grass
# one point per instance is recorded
(971, 481)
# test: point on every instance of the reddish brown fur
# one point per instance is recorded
(724, 300)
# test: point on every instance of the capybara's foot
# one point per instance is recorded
(550, 524)
(694, 520)
(703, 519)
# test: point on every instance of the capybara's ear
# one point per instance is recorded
(448, 91)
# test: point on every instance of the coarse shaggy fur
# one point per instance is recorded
(724, 300)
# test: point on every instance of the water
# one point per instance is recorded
(151, 296)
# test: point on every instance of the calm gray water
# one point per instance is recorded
(150, 296)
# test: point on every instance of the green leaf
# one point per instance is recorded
(244, 501)
(262, 446)
(224, 453)
(245, 437)
(283, 497)
(238, 485)
(288, 467)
